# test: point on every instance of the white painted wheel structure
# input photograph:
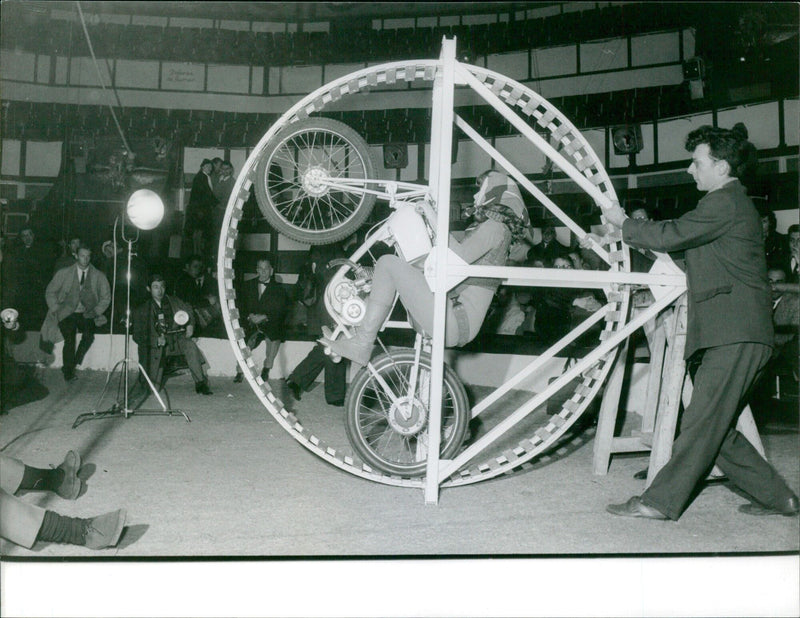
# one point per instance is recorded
(300, 171)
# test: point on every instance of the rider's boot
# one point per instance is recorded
(359, 347)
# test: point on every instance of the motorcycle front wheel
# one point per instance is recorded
(389, 429)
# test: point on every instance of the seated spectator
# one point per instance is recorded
(30, 264)
(18, 385)
(639, 210)
(776, 246)
(559, 310)
(24, 523)
(159, 332)
(577, 260)
(197, 288)
(508, 310)
(794, 253)
(263, 310)
(77, 297)
(786, 318)
(549, 249)
(553, 306)
(70, 255)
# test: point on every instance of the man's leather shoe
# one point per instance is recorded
(265, 374)
(202, 388)
(338, 403)
(789, 508)
(104, 530)
(635, 508)
(71, 485)
(294, 387)
(238, 377)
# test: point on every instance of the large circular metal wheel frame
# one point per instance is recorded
(389, 430)
(293, 175)
(290, 144)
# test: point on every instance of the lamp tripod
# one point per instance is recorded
(122, 405)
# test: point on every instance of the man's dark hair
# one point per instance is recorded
(794, 227)
(84, 246)
(155, 277)
(195, 258)
(765, 211)
(729, 145)
(638, 205)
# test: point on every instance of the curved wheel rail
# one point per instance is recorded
(526, 110)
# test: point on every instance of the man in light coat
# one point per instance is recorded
(77, 296)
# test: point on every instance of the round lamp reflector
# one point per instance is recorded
(145, 209)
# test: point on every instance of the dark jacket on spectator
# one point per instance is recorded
(273, 302)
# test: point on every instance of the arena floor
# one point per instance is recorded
(232, 484)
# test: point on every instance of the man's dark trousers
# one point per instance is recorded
(708, 434)
(310, 367)
(69, 327)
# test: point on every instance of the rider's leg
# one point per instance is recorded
(417, 298)
(392, 275)
(359, 347)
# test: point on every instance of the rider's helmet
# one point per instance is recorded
(499, 198)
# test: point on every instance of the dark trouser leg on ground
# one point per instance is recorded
(193, 359)
(271, 353)
(335, 380)
(87, 328)
(309, 368)
(69, 328)
(721, 386)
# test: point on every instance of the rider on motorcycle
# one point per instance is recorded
(500, 219)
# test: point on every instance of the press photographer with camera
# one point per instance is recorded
(163, 326)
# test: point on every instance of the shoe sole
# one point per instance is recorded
(123, 515)
(758, 511)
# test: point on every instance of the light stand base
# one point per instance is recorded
(121, 408)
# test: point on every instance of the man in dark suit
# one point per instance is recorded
(29, 262)
(793, 265)
(264, 307)
(70, 254)
(729, 333)
(319, 271)
(200, 209)
(160, 330)
(197, 288)
(549, 248)
(78, 296)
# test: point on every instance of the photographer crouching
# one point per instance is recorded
(163, 326)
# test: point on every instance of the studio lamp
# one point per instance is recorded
(145, 210)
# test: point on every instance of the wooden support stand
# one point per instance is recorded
(668, 385)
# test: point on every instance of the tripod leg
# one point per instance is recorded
(153, 389)
(108, 381)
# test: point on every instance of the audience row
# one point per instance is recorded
(353, 40)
